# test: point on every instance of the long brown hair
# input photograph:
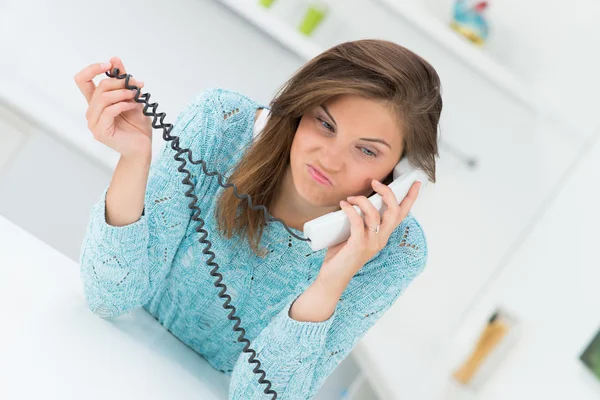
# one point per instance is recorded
(376, 69)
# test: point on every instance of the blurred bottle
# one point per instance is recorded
(266, 3)
(469, 20)
(316, 11)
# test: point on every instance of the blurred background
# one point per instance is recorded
(507, 307)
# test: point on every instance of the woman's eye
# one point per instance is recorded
(371, 153)
(328, 127)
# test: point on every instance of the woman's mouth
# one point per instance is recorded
(317, 176)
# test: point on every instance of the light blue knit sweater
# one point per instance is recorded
(157, 263)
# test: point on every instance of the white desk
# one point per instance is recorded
(53, 347)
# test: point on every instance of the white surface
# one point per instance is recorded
(54, 347)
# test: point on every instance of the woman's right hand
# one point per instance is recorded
(114, 117)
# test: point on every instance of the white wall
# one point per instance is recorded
(177, 48)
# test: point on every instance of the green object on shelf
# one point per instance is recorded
(266, 3)
(313, 17)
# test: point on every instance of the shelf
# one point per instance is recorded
(474, 58)
(278, 30)
(470, 55)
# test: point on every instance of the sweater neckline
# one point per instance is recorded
(280, 224)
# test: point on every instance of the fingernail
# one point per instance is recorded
(349, 197)
(377, 182)
(343, 203)
(105, 65)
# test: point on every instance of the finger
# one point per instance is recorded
(390, 215)
(372, 216)
(101, 99)
(84, 79)
(114, 83)
(407, 203)
(108, 116)
(357, 225)
(117, 63)
(106, 100)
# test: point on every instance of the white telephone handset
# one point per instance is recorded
(333, 228)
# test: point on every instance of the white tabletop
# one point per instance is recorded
(53, 347)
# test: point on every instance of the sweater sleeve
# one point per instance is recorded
(122, 266)
(298, 356)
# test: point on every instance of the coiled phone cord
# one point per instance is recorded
(143, 98)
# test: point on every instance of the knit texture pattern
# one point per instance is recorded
(157, 263)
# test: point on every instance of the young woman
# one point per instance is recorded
(336, 129)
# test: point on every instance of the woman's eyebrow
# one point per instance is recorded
(362, 138)
(327, 112)
(376, 140)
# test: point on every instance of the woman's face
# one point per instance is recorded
(338, 138)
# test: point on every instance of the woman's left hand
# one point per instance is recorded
(346, 258)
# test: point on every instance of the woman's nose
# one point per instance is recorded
(333, 154)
